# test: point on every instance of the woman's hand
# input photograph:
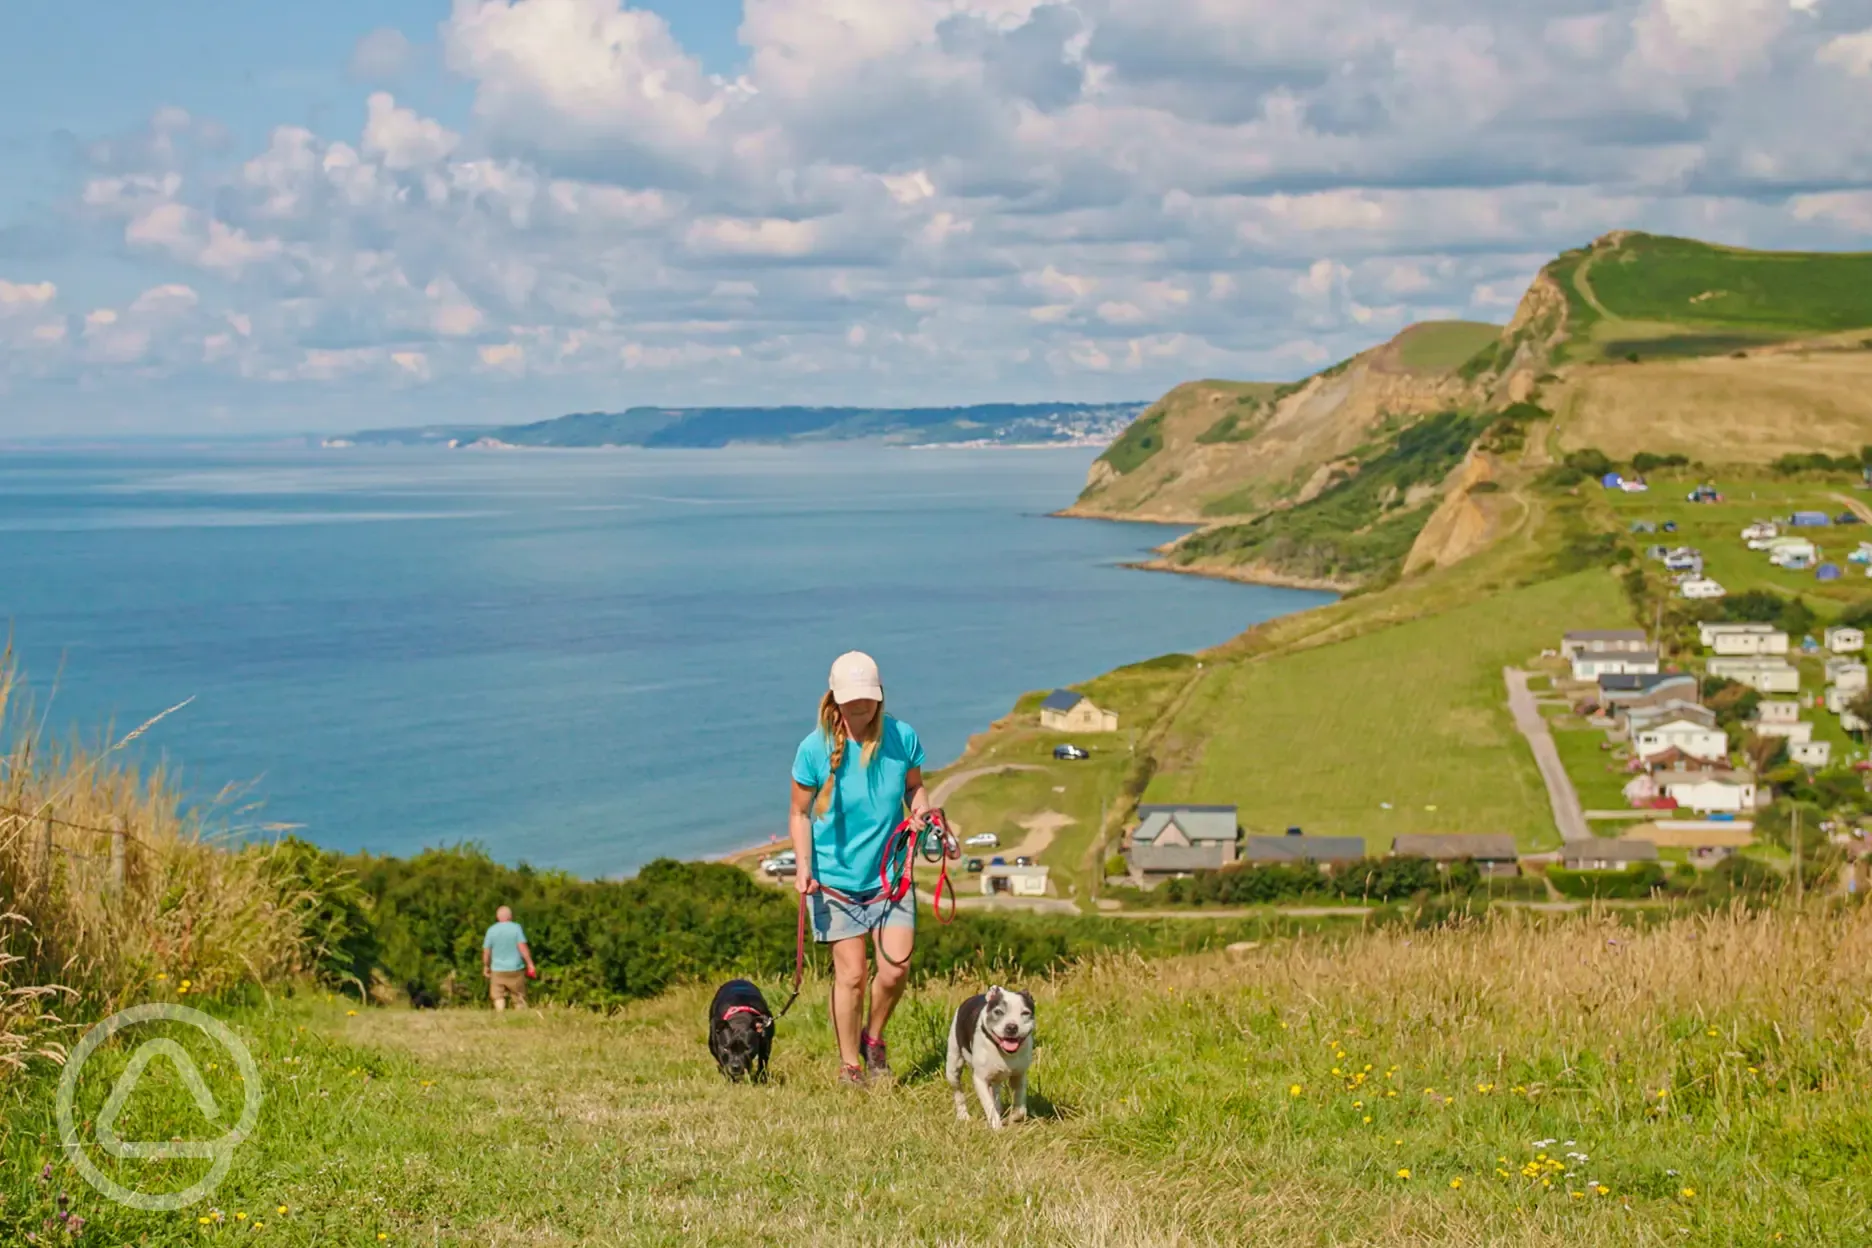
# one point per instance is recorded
(803, 881)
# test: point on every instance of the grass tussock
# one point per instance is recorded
(108, 883)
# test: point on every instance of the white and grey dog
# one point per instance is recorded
(993, 1036)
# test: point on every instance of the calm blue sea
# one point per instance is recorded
(580, 660)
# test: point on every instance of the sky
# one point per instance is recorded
(229, 217)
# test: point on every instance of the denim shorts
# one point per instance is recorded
(835, 920)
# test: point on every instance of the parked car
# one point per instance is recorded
(1023, 861)
(982, 840)
(1070, 753)
(974, 866)
(997, 862)
(781, 864)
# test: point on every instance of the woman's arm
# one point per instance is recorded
(916, 797)
(799, 827)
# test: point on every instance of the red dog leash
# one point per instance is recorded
(900, 850)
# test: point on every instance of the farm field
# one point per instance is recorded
(1689, 1081)
(1414, 716)
(1715, 529)
(1443, 346)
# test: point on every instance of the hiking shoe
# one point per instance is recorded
(851, 1076)
(876, 1059)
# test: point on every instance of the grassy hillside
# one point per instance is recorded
(1690, 1082)
(1403, 730)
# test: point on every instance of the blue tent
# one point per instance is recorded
(1827, 572)
(1810, 519)
(1611, 480)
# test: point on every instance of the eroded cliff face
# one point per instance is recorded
(1464, 522)
(1230, 450)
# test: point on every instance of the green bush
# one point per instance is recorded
(1116, 865)
(1645, 461)
(1634, 883)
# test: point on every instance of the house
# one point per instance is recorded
(1811, 753)
(1674, 759)
(1842, 639)
(1178, 840)
(1606, 640)
(1640, 690)
(1810, 519)
(1643, 791)
(1701, 587)
(1685, 735)
(1592, 664)
(1760, 531)
(1793, 733)
(1604, 854)
(1493, 853)
(1848, 674)
(1838, 699)
(1763, 675)
(1684, 559)
(1066, 711)
(1639, 718)
(1295, 847)
(1705, 843)
(1708, 790)
(1742, 638)
(1015, 881)
(1777, 712)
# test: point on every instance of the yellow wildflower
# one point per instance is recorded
(1455, 1184)
(1688, 1193)
(1403, 1172)
(350, 1013)
(1295, 1090)
(1603, 1190)
(1367, 1117)
(281, 1211)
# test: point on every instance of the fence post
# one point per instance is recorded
(117, 858)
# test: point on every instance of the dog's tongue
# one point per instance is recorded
(1008, 1044)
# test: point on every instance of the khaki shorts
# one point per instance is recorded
(503, 985)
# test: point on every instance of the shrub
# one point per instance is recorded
(1816, 461)
(1634, 883)
(1645, 461)
(1589, 462)
(1143, 439)
(1116, 865)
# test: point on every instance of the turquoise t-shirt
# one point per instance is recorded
(867, 803)
(505, 940)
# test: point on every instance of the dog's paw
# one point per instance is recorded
(1017, 1115)
(961, 1115)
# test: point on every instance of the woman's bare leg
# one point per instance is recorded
(848, 982)
(893, 973)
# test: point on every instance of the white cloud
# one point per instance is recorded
(979, 198)
(381, 56)
(1852, 53)
(17, 297)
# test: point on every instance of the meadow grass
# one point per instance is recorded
(1694, 284)
(1443, 346)
(1597, 777)
(1715, 529)
(1538, 1080)
(1414, 715)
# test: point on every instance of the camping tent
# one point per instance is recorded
(1827, 572)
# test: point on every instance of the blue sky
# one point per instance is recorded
(270, 217)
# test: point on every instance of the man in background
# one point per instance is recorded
(506, 961)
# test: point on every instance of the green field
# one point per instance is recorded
(1596, 775)
(1692, 1081)
(1697, 285)
(1414, 715)
(1715, 529)
(1443, 346)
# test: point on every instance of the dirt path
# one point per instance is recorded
(1856, 507)
(1561, 795)
(946, 788)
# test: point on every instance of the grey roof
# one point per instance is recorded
(1622, 656)
(1680, 776)
(1062, 700)
(1605, 849)
(1199, 823)
(1483, 846)
(1204, 857)
(1303, 848)
(1640, 682)
(1606, 634)
(1640, 717)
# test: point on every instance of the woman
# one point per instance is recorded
(852, 778)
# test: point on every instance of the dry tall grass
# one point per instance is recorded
(106, 883)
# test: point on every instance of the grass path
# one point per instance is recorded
(1531, 1080)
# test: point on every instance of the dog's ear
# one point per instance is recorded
(1028, 998)
(994, 996)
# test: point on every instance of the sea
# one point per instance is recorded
(582, 660)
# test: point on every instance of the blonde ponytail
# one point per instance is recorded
(832, 727)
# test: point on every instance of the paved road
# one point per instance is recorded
(1568, 816)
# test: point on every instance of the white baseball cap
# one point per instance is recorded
(855, 676)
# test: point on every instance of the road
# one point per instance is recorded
(1561, 796)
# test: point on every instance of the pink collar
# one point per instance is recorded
(733, 1010)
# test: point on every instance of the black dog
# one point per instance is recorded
(420, 997)
(740, 1031)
